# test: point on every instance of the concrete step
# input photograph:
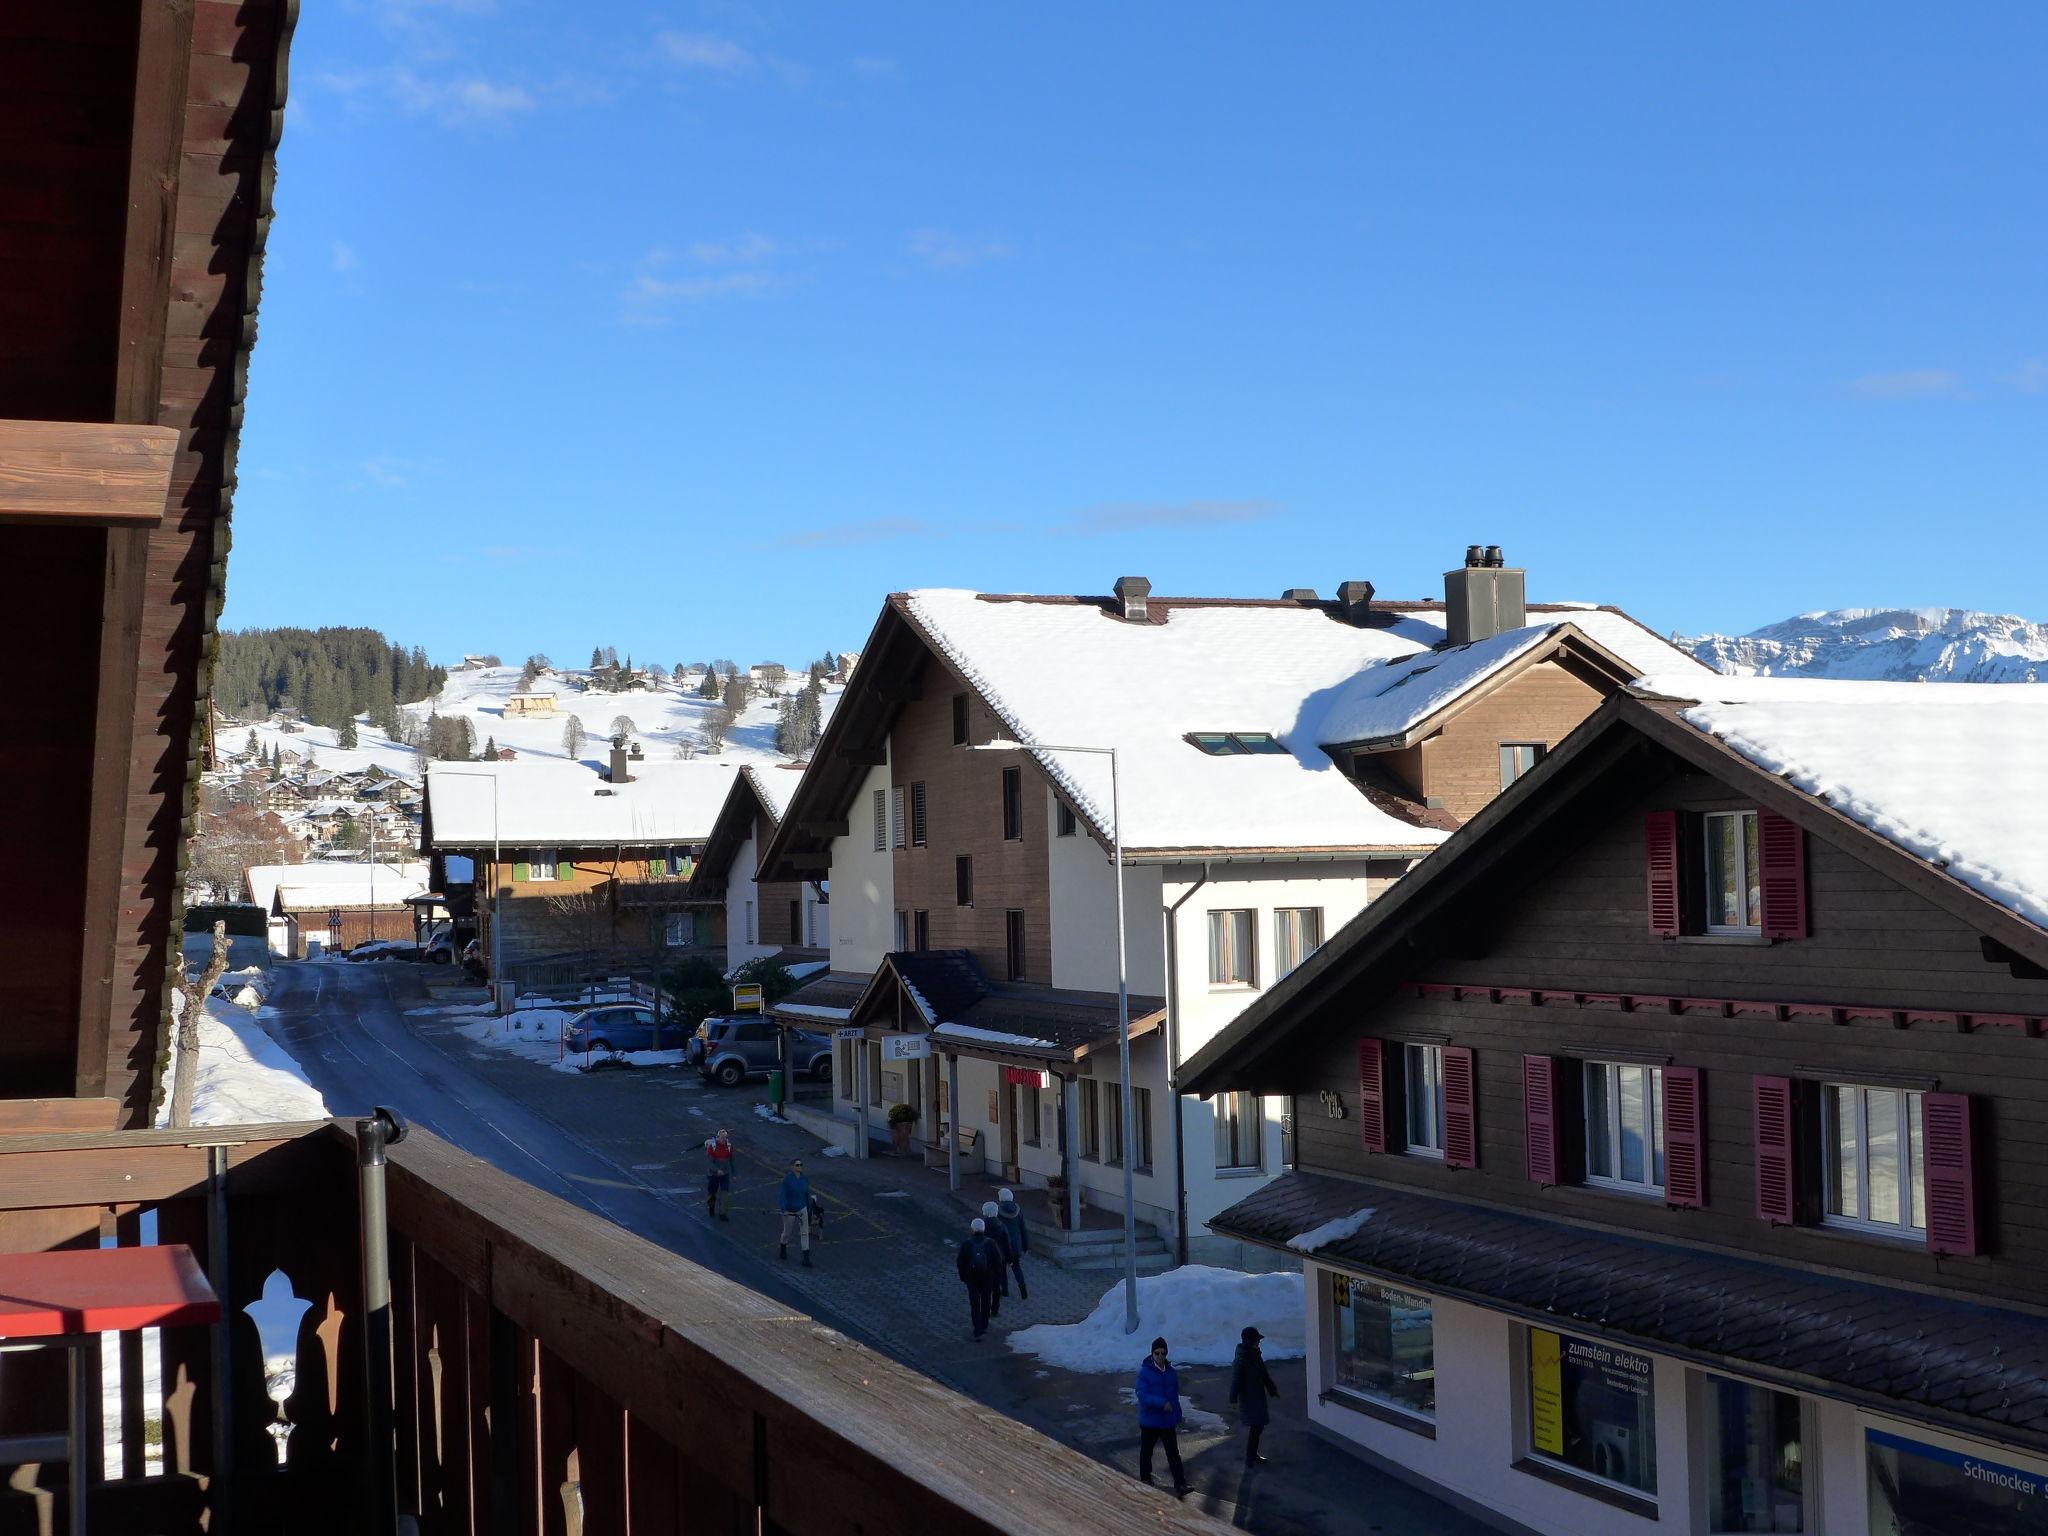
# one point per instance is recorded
(1113, 1263)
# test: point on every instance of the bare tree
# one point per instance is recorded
(686, 750)
(573, 736)
(193, 990)
(622, 725)
(715, 727)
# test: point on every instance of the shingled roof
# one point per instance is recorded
(1982, 1370)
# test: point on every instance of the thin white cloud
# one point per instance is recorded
(1129, 516)
(703, 272)
(386, 472)
(345, 257)
(874, 68)
(701, 50)
(944, 251)
(716, 285)
(742, 250)
(1907, 384)
(2031, 377)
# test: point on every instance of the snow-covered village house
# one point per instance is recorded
(1670, 1153)
(574, 862)
(790, 919)
(319, 906)
(1281, 762)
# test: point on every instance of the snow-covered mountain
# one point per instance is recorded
(1929, 645)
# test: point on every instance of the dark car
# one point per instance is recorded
(728, 1050)
(614, 1027)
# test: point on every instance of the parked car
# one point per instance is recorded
(613, 1027)
(728, 1050)
(440, 945)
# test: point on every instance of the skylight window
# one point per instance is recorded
(1235, 743)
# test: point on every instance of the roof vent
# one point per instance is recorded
(1298, 595)
(1355, 598)
(1131, 593)
(1484, 598)
(619, 759)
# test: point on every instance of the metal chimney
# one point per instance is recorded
(1484, 598)
(1298, 595)
(1131, 592)
(1355, 598)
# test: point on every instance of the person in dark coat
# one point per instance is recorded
(1159, 1415)
(1250, 1385)
(979, 1263)
(1012, 1215)
(1006, 1251)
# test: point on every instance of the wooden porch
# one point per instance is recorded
(553, 1372)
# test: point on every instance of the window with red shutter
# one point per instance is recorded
(1946, 1126)
(1660, 860)
(1781, 860)
(1372, 1095)
(1776, 1151)
(1685, 1139)
(1461, 1125)
(1540, 1110)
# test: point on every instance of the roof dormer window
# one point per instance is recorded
(1235, 743)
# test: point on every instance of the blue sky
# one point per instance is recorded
(695, 330)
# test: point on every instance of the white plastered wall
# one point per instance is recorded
(863, 887)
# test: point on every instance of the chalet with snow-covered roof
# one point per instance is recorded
(1668, 1151)
(530, 706)
(1278, 764)
(762, 918)
(571, 862)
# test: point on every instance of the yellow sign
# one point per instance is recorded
(746, 997)
(1340, 1289)
(1546, 1392)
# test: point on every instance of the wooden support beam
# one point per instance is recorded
(85, 474)
(825, 830)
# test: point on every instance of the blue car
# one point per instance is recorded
(617, 1027)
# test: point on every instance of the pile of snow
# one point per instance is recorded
(1947, 645)
(767, 1112)
(245, 1077)
(1199, 1310)
(1330, 1231)
(1887, 755)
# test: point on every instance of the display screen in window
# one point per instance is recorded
(1592, 1408)
(1917, 1489)
(1385, 1345)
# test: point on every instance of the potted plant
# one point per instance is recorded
(901, 1118)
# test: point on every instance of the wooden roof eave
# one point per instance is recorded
(85, 474)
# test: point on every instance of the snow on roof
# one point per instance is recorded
(775, 786)
(1388, 700)
(1066, 673)
(1950, 772)
(563, 804)
(986, 1036)
(331, 884)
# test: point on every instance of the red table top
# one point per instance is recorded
(101, 1290)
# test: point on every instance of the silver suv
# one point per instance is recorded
(728, 1050)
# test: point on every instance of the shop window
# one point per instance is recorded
(1027, 1116)
(1915, 1487)
(1756, 1459)
(1592, 1410)
(1383, 1345)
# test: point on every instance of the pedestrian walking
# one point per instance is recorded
(794, 1201)
(1020, 1237)
(1006, 1255)
(977, 1262)
(718, 1175)
(1250, 1385)
(1159, 1416)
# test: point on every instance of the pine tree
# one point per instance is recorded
(596, 657)
(735, 694)
(346, 736)
(490, 754)
(708, 689)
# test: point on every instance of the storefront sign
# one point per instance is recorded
(1592, 1406)
(1546, 1391)
(849, 1034)
(906, 1047)
(1024, 1077)
(746, 997)
(1915, 1486)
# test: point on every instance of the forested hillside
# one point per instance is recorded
(325, 675)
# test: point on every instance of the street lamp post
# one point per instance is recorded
(1123, 1012)
(497, 861)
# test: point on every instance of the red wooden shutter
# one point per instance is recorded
(1776, 1152)
(1945, 1131)
(1539, 1118)
(1781, 855)
(1685, 1139)
(1372, 1095)
(1660, 859)
(1461, 1128)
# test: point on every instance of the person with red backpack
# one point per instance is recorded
(718, 1175)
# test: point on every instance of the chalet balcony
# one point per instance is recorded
(550, 1371)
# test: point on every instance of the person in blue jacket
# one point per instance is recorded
(1012, 1215)
(794, 1201)
(1159, 1416)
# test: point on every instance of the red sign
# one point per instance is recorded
(1024, 1077)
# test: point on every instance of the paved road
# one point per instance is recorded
(628, 1145)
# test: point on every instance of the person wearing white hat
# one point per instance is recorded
(1005, 1255)
(1012, 1215)
(979, 1264)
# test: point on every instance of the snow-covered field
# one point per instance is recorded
(663, 718)
(1200, 1311)
(245, 1077)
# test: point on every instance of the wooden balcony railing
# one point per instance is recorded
(553, 1372)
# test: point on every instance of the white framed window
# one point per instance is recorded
(1625, 1126)
(1592, 1409)
(1141, 1128)
(902, 931)
(896, 832)
(1382, 1345)
(1063, 819)
(1517, 758)
(1734, 897)
(1758, 1471)
(748, 930)
(1231, 961)
(879, 809)
(679, 928)
(541, 867)
(1090, 1117)
(1297, 934)
(1238, 1123)
(1424, 1076)
(1027, 1116)
(1876, 1176)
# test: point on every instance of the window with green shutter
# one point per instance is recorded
(520, 873)
(564, 869)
